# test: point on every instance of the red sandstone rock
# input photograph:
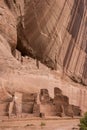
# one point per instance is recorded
(54, 33)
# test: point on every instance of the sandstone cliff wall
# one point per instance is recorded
(57, 33)
(54, 32)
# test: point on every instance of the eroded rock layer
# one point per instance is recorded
(52, 33)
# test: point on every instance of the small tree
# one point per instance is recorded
(83, 122)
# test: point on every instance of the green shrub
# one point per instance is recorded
(83, 122)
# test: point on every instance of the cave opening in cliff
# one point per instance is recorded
(22, 42)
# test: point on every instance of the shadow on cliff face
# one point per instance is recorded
(9, 3)
(33, 42)
(22, 42)
(84, 75)
(73, 28)
(84, 43)
(36, 50)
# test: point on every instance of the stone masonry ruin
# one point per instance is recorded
(27, 105)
